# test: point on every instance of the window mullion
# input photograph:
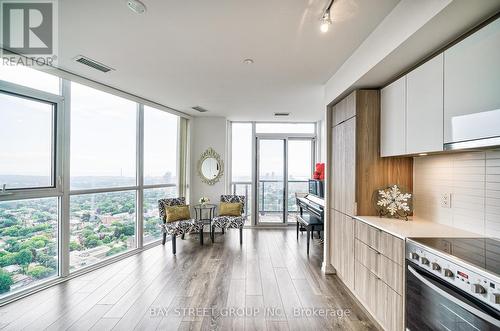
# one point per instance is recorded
(64, 212)
(158, 186)
(30, 194)
(181, 157)
(140, 176)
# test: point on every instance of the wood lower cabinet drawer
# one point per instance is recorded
(381, 266)
(383, 242)
(378, 298)
(392, 247)
(392, 274)
(368, 234)
(367, 256)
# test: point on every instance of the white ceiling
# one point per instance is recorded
(190, 52)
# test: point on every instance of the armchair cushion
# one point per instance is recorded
(226, 222)
(177, 213)
(181, 227)
(230, 209)
(233, 199)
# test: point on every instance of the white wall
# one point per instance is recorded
(472, 178)
(207, 132)
(321, 141)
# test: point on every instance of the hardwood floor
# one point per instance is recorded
(269, 283)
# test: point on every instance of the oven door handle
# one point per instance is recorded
(456, 301)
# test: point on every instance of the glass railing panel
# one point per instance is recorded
(271, 202)
(245, 189)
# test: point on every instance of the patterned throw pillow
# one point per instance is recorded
(178, 213)
(230, 209)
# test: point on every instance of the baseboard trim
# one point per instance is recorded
(327, 269)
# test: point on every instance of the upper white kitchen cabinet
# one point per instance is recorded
(424, 107)
(393, 118)
(472, 86)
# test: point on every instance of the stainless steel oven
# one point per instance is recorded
(443, 292)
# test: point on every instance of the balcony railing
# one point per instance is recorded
(271, 194)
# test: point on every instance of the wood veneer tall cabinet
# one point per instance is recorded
(356, 171)
(356, 168)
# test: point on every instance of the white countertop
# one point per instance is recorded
(415, 228)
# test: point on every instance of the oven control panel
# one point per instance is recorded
(481, 287)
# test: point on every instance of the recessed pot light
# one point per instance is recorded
(136, 6)
(422, 154)
(248, 61)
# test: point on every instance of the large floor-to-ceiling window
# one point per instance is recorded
(81, 172)
(241, 163)
(161, 133)
(30, 193)
(102, 175)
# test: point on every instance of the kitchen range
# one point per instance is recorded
(452, 284)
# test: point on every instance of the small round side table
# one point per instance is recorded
(209, 214)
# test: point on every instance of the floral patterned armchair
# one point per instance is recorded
(178, 227)
(227, 222)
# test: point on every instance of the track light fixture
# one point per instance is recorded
(326, 19)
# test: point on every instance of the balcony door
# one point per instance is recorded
(283, 167)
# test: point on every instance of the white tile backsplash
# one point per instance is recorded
(472, 179)
(492, 194)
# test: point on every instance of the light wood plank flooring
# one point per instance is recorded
(269, 283)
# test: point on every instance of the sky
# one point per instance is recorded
(26, 125)
(241, 146)
(29, 77)
(271, 152)
(25, 136)
(103, 131)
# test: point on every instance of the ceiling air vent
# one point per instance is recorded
(92, 63)
(281, 114)
(200, 109)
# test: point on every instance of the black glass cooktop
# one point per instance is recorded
(483, 253)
